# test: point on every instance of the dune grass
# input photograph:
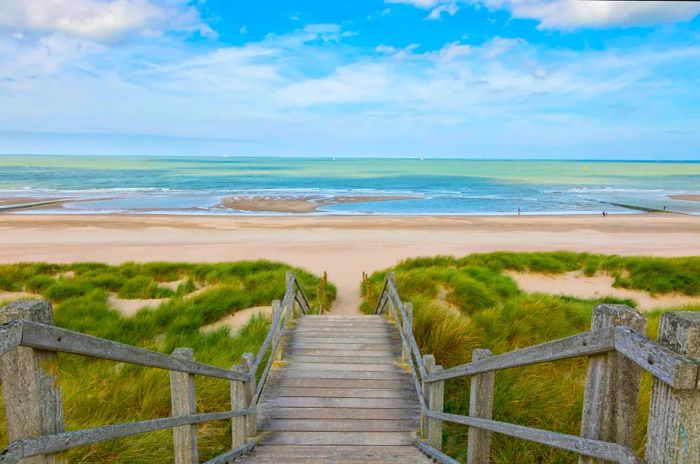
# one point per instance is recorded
(101, 392)
(467, 303)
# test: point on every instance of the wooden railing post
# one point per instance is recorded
(436, 393)
(407, 327)
(183, 404)
(289, 284)
(480, 405)
(612, 384)
(429, 362)
(239, 431)
(277, 311)
(31, 384)
(673, 432)
(251, 419)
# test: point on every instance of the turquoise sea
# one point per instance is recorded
(196, 185)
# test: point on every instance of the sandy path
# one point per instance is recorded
(342, 246)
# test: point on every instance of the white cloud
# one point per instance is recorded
(570, 14)
(449, 8)
(310, 93)
(101, 20)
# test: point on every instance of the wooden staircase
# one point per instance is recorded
(339, 396)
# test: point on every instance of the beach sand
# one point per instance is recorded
(686, 197)
(296, 204)
(343, 246)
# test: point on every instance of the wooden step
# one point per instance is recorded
(335, 454)
(360, 367)
(341, 438)
(340, 425)
(339, 413)
(335, 392)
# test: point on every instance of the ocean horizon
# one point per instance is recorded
(391, 186)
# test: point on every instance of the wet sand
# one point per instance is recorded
(296, 204)
(686, 197)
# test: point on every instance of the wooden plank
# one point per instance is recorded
(250, 389)
(239, 428)
(272, 332)
(332, 453)
(31, 383)
(226, 458)
(612, 384)
(300, 329)
(344, 359)
(341, 438)
(345, 392)
(341, 342)
(381, 353)
(341, 383)
(302, 374)
(49, 338)
(183, 403)
(429, 363)
(66, 440)
(359, 326)
(409, 338)
(340, 425)
(584, 344)
(480, 405)
(436, 392)
(585, 446)
(343, 367)
(339, 413)
(438, 455)
(324, 402)
(675, 370)
(673, 432)
(303, 344)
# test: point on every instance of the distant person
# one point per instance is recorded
(664, 207)
(518, 211)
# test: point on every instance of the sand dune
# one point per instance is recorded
(342, 246)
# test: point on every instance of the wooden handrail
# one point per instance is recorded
(48, 444)
(583, 446)
(58, 340)
(44, 339)
(671, 369)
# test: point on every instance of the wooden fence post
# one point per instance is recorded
(429, 362)
(252, 418)
(289, 283)
(612, 384)
(238, 402)
(673, 432)
(277, 311)
(436, 393)
(183, 404)
(407, 327)
(31, 384)
(480, 405)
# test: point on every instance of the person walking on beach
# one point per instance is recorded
(518, 211)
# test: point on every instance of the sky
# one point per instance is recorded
(434, 78)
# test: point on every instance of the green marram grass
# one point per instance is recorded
(468, 303)
(97, 392)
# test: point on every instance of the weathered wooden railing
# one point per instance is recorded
(617, 350)
(30, 378)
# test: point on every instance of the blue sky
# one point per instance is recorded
(455, 78)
